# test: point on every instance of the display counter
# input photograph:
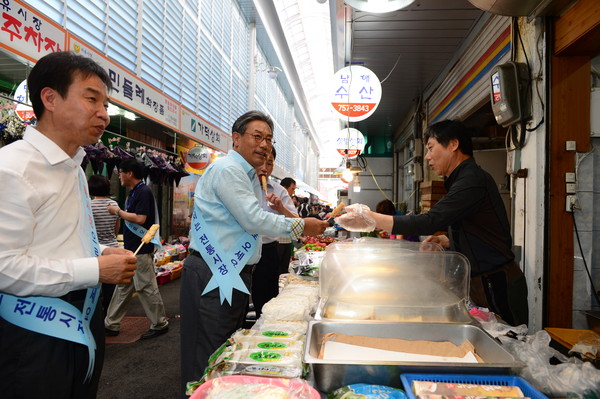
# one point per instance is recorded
(378, 310)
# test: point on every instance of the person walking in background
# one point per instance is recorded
(51, 263)
(140, 213)
(290, 185)
(225, 243)
(304, 207)
(276, 251)
(107, 224)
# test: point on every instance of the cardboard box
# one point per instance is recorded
(432, 187)
(430, 197)
(432, 348)
(427, 204)
(421, 388)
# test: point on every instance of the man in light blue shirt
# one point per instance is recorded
(225, 243)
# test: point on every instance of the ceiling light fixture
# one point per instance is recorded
(272, 72)
(129, 115)
(379, 6)
(346, 170)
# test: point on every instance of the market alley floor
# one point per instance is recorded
(147, 369)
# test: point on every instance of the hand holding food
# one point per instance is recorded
(314, 226)
(336, 211)
(263, 180)
(116, 268)
(148, 236)
(356, 218)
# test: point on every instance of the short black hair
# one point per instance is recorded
(386, 207)
(287, 181)
(273, 152)
(132, 165)
(58, 70)
(241, 123)
(99, 186)
(447, 130)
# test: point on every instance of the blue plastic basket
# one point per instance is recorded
(504, 380)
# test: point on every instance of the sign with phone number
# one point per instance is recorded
(356, 93)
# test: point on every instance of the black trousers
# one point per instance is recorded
(34, 365)
(206, 323)
(285, 254)
(504, 292)
(265, 278)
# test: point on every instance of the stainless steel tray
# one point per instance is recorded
(329, 375)
(453, 313)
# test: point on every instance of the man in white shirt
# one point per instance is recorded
(265, 277)
(51, 331)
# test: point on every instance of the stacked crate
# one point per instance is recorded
(430, 193)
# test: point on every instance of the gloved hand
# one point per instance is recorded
(356, 218)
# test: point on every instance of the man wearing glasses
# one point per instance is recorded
(225, 245)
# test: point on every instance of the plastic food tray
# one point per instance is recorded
(504, 380)
(297, 389)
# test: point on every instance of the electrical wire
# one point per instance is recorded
(392, 70)
(577, 166)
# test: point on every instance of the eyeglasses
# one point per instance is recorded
(258, 139)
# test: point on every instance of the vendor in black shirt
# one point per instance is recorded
(473, 214)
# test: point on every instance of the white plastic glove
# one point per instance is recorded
(356, 218)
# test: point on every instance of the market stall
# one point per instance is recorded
(368, 316)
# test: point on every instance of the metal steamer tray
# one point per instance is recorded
(329, 375)
(454, 311)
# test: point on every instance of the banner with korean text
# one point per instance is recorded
(130, 91)
(199, 129)
(26, 33)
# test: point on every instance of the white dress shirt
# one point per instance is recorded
(281, 192)
(42, 250)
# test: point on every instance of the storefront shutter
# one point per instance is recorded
(467, 83)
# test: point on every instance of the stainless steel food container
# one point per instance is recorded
(329, 375)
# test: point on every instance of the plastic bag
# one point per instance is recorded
(356, 219)
(245, 386)
(366, 391)
(570, 379)
(489, 322)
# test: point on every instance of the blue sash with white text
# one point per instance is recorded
(140, 231)
(225, 266)
(53, 316)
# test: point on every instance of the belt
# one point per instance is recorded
(246, 268)
(271, 244)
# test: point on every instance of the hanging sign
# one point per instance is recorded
(130, 91)
(199, 129)
(350, 142)
(198, 157)
(28, 33)
(355, 93)
(25, 112)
